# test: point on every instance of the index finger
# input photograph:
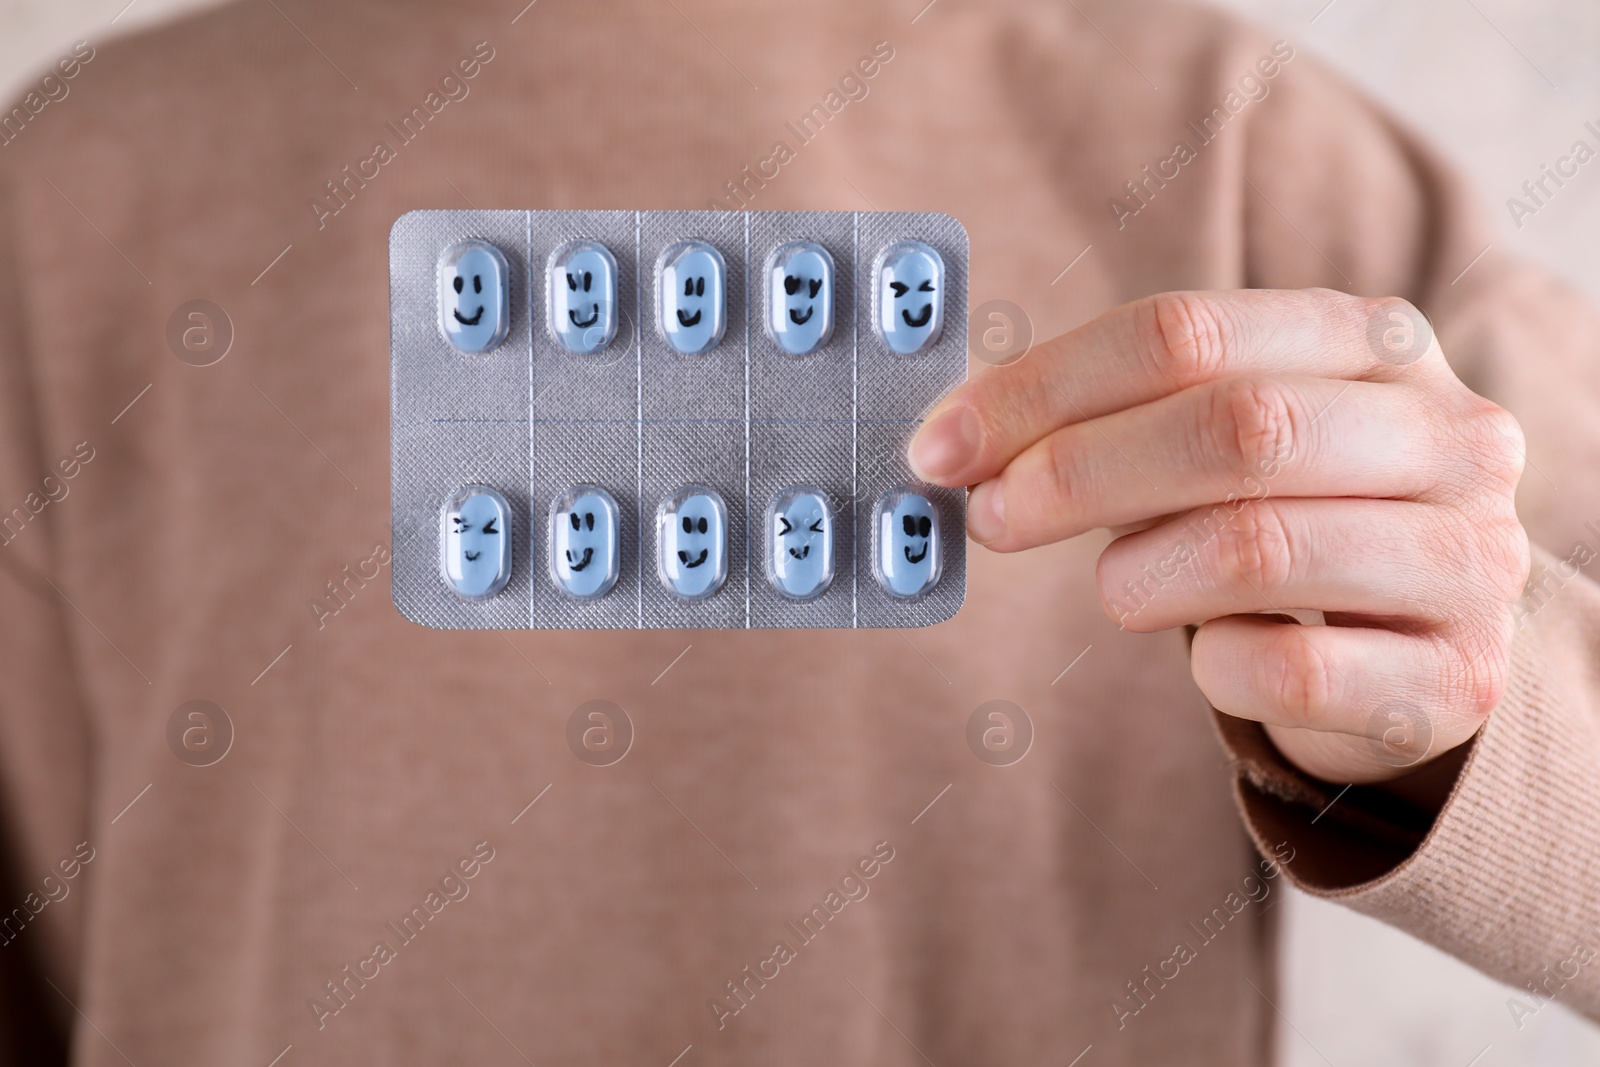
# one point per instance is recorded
(1157, 346)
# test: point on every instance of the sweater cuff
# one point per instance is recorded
(1342, 836)
(1349, 839)
(1506, 874)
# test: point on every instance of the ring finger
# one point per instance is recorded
(1280, 555)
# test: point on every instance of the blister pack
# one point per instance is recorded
(672, 419)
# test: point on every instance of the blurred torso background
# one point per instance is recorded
(371, 755)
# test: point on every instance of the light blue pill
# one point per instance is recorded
(475, 542)
(800, 543)
(585, 532)
(692, 542)
(582, 282)
(800, 297)
(474, 296)
(908, 550)
(909, 291)
(691, 296)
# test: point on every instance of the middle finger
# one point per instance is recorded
(1240, 438)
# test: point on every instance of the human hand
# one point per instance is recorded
(1269, 451)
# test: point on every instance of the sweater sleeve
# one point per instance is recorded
(1506, 875)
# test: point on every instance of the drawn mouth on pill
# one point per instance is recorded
(802, 554)
(684, 557)
(919, 557)
(472, 557)
(799, 319)
(921, 319)
(588, 554)
(472, 321)
(688, 320)
(593, 318)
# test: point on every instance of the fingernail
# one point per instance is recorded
(946, 445)
(986, 512)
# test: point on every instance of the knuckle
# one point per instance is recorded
(1481, 555)
(994, 421)
(1383, 309)
(1477, 675)
(1255, 549)
(1252, 423)
(1509, 445)
(1397, 330)
(1493, 444)
(1438, 537)
(1188, 337)
(1306, 681)
(1065, 475)
(1507, 557)
(1122, 605)
(1351, 313)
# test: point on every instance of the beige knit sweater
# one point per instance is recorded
(799, 861)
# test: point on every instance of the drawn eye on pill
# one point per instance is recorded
(477, 288)
(691, 289)
(800, 543)
(474, 550)
(800, 286)
(585, 532)
(692, 542)
(572, 312)
(581, 283)
(489, 528)
(474, 296)
(786, 527)
(906, 550)
(909, 293)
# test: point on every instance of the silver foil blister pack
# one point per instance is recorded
(673, 419)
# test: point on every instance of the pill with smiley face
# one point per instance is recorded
(692, 542)
(907, 556)
(581, 284)
(800, 543)
(475, 542)
(474, 296)
(909, 293)
(585, 535)
(800, 297)
(691, 296)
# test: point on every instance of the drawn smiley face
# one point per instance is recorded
(692, 542)
(914, 527)
(910, 297)
(906, 560)
(581, 284)
(585, 532)
(475, 542)
(800, 543)
(474, 296)
(691, 296)
(800, 286)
